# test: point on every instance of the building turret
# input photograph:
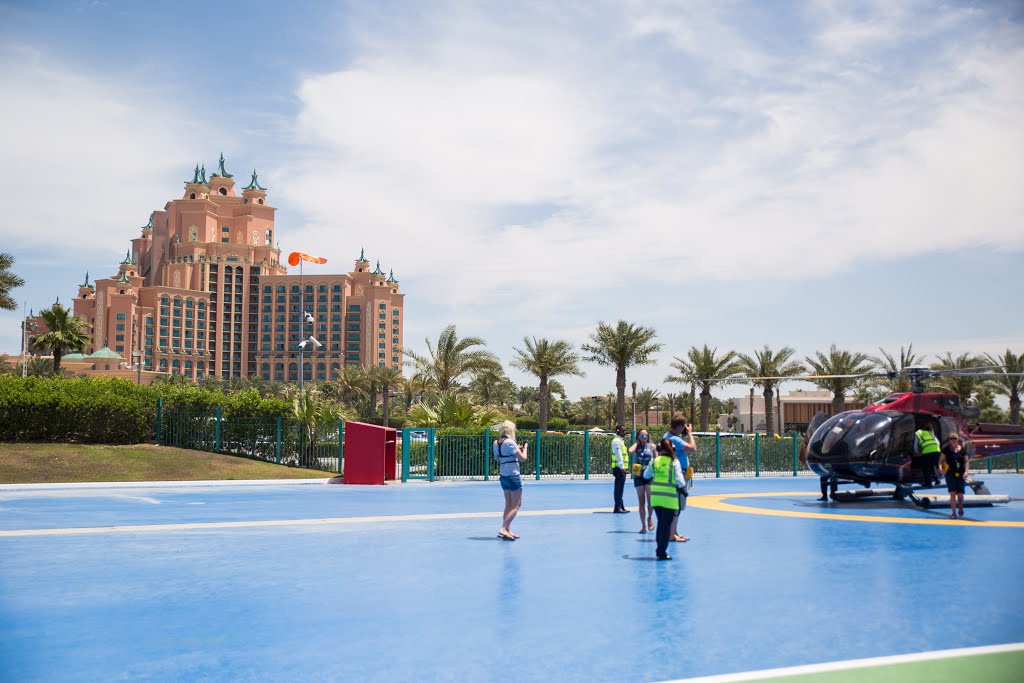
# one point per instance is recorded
(221, 182)
(197, 188)
(254, 193)
(362, 265)
(377, 270)
(391, 278)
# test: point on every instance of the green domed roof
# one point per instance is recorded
(105, 352)
(72, 356)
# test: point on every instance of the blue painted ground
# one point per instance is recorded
(576, 598)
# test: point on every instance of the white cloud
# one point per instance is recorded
(87, 156)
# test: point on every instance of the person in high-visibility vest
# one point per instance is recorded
(927, 446)
(666, 477)
(620, 463)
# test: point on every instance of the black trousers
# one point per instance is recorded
(664, 531)
(931, 466)
(620, 484)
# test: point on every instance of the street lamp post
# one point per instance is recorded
(137, 355)
(306, 318)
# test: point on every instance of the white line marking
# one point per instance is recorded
(852, 664)
(194, 526)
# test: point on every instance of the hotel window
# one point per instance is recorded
(202, 307)
(119, 337)
(382, 316)
(119, 348)
(380, 345)
(336, 298)
(380, 336)
(119, 327)
(382, 306)
(394, 340)
(120, 316)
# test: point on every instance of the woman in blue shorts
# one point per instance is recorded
(643, 452)
(509, 454)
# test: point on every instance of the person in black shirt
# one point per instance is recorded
(956, 463)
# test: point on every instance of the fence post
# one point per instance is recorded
(487, 452)
(586, 454)
(430, 454)
(341, 443)
(795, 450)
(277, 445)
(159, 418)
(216, 446)
(989, 461)
(536, 435)
(1018, 463)
(406, 432)
(718, 455)
(757, 455)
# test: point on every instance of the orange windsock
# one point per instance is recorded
(296, 256)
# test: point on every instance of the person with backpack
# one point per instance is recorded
(509, 454)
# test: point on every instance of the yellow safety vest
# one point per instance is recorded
(663, 488)
(625, 453)
(927, 442)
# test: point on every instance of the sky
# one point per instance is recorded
(733, 174)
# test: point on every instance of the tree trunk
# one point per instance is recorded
(620, 396)
(838, 402)
(693, 403)
(386, 392)
(544, 405)
(1015, 409)
(57, 354)
(769, 413)
(705, 407)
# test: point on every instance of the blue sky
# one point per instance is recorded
(736, 174)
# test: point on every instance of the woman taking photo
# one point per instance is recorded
(666, 477)
(643, 452)
(509, 454)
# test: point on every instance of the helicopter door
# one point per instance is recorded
(903, 427)
(947, 426)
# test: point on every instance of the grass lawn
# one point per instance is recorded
(36, 463)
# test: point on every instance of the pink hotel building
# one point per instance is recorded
(203, 291)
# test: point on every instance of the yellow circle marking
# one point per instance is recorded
(715, 502)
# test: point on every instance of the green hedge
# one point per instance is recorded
(88, 410)
(111, 411)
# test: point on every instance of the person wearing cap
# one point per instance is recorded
(642, 452)
(620, 463)
(955, 461)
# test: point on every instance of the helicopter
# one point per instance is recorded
(875, 444)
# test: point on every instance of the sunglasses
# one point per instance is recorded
(641, 436)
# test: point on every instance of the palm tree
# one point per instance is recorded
(841, 364)
(1005, 383)
(898, 382)
(8, 281)
(646, 399)
(454, 410)
(704, 368)
(765, 369)
(621, 347)
(417, 387)
(38, 366)
(965, 385)
(452, 358)
(671, 402)
(385, 379)
(66, 333)
(348, 384)
(545, 359)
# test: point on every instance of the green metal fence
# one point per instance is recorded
(467, 454)
(313, 445)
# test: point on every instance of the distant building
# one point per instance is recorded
(203, 292)
(797, 410)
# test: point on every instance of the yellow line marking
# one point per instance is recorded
(714, 502)
(199, 526)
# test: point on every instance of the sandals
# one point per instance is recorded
(679, 539)
(507, 536)
(650, 525)
(643, 531)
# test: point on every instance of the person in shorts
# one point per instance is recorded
(643, 452)
(509, 454)
(955, 461)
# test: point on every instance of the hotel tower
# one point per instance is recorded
(203, 291)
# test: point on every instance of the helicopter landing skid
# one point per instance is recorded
(981, 496)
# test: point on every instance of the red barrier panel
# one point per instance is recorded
(369, 453)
